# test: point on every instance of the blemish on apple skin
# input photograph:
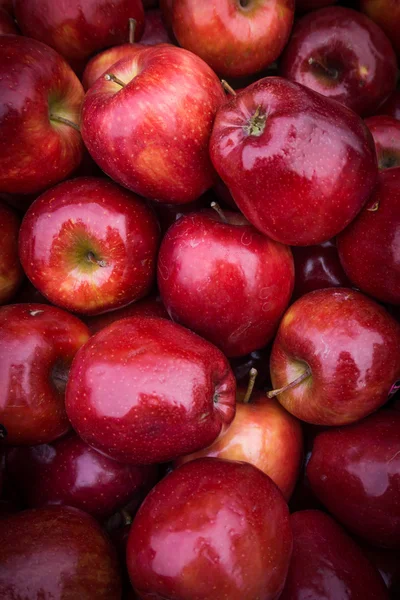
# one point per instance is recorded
(246, 238)
(34, 313)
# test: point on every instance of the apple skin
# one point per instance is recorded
(7, 23)
(368, 248)
(240, 287)
(102, 62)
(38, 343)
(386, 133)
(233, 38)
(265, 435)
(89, 246)
(355, 472)
(298, 165)
(352, 347)
(343, 55)
(11, 274)
(326, 563)
(152, 135)
(317, 267)
(392, 106)
(57, 552)
(36, 82)
(68, 472)
(218, 514)
(145, 390)
(386, 14)
(155, 31)
(77, 29)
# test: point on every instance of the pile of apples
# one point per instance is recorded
(199, 289)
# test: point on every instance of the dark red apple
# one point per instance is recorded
(78, 29)
(327, 564)
(155, 31)
(386, 14)
(11, 273)
(148, 123)
(342, 54)
(392, 105)
(57, 552)
(145, 390)
(386, 133)
(70, 473)
(368, 248)
(7, 23)
(211, 529)
(298, 165)
(38, 343)
(234, 38)
(241, 284)
(100, 63)
(335, 357)
(89, 246)
(355, 472)
(39, 111)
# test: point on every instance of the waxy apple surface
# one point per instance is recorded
(224, 280)
(347, 348)
(151, 133)
(39, 89)
(145, 390)
(191, 535)
(11, 273)
(355, 472)
(298, 165)
(37, 345)
(386, 133)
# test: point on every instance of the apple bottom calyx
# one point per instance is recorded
(256, 124)
(292, 384)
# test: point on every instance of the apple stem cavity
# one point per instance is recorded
(329, 72)
(3, 432)
(228, 88)
(126, 517)
(65, 121)
(250, 386)
(112, 77)
(215, 206)
(292, 384)
(256, 123)
(132, 30)
(95, 261)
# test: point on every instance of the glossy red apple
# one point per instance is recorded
(77, 29)
(57, 552)
(7, 23)
(155, 31)
(38, 343)
(211, 529)
(150, 132)
(299, 166)
(89, 246)
(386, 133)
(11, 273)
(369, 249)
(386, 14)
(39, 92)
(335, 357)
(355, 472)
(392, 105)
(326, 563)
(265, 435)
(70, 473)
(239, 288)
(145, 390)
(317, 267)
(234, 38)
(342, 54)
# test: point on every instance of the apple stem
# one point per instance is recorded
(291, 385)
(132, 30)
(64, 121)
(92, 259)
(3, 432)
(127, 517)
(374, 207)
(215, 206)
(228, 88)
(333, 73)
(111, 77)
(252, 379)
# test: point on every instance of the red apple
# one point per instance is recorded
(145, 390)
(240, 287)
(102, 62)
(299, 166)
(386, 14)
(155, 31)
(211, 529)
(264, 435)
(150, 132)
(70, 473)
(40, 96)
(335, 357)
(11, 273)
(386, 133)
(89, 246)
(77, 29)
(38, 343)
(355, 472)
(57, 552)
(392, 105)
(369, 249)
(342, 54)
(327, 564)
(7, 23)
(234, 38)
(317, 267)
